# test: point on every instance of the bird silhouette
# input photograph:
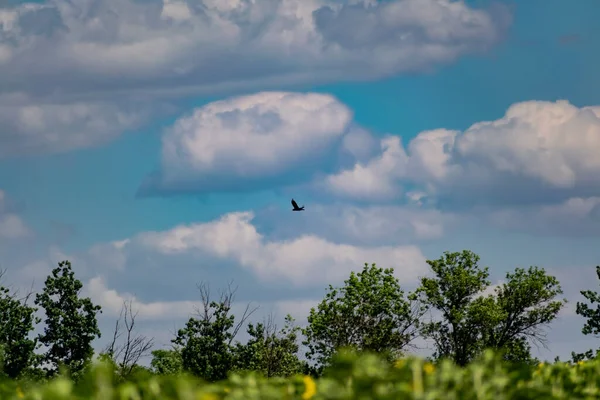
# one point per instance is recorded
(295, 205)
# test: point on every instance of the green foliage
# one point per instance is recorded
(167, 362)
(369, 312)
(457, 279)
(471, 322)
(17, 320)
(71, 323)
(592, 316)
(205, 343)
(525, 302)
(269, 352)
(351, 376)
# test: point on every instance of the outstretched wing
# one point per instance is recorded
(294, 203)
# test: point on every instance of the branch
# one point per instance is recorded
(135, 346)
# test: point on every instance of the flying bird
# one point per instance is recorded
(295, 205)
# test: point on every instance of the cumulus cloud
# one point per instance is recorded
(375, 180)
(305, 260)
(11, 224)
(555, 143)
(538, 152)
(370, 225)
(359, 144)
(576, 217)
(240, 142)
(76, 75)
(128, 46)
(234, 244)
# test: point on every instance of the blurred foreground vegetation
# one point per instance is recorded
(350, 376)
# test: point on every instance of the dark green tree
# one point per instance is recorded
(17, 321)
(206, 341)
(592, 315)
(471, 322)
(369, 313)
(71, 323)
(167, 362)
(527, 302)
(270, 352)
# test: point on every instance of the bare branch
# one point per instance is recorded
(204, 313)
(128, 354)
(30, 292)
(226, 297)
(247, 313)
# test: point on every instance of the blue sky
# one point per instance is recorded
(157, 152)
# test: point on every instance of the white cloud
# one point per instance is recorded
(228, 143)
(385, 223)
(112, 302)
(368, 225)
(307, 260)
(359, 143)
(11, 224)
(491, 289)
(552, 142)
(29, 127)
(12, 227)
(375, 180)
(128, 46)
(109, 253)
(431, 154)
(575, 216)
(538, 151)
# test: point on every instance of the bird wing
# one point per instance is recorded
(294, 203)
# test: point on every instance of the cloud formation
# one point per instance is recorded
(376, 179)
(365, 225)
(28, 127)
(241, 142)
(125, 46)
(228, 247)
(538, 152)
(11, 224)
(575, 216)
(303, 261)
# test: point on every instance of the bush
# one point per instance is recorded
(351, 376)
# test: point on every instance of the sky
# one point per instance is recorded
(156, 144)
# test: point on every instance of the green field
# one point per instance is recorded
(351, 377)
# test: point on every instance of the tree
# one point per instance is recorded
(592, 316)
(471, 322)
(528, 304)
(205, 342)
(127, 354)
(167, 362)
(17, 320)
(71, 323)
(270, 352)
(369, 313)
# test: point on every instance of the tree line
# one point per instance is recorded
(455, 309)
